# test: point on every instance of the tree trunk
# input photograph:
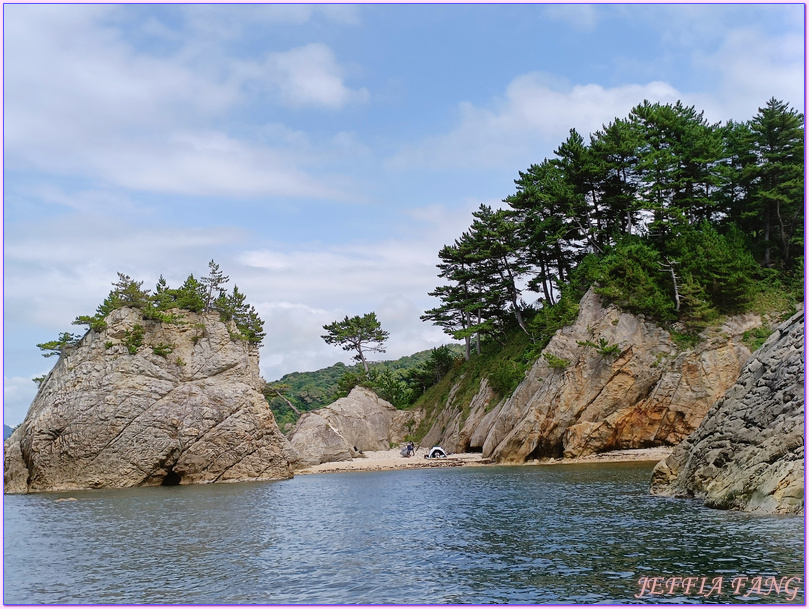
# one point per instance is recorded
(766, 262)
(477, 336)
(278, 393)
(512, 289)
(783, 234)
(362, 359)
(676, 288)
(467, 339)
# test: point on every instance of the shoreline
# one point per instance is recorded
(390, 460)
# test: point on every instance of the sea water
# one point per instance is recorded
(523, 535)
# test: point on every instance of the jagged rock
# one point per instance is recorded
(649, 393)
(106, 418)
(748, 452)
(362, 421)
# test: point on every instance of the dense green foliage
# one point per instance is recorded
(55, 347)
(165, 305)
(361, 334)
(665, 214)
(206, 294)
(661, 213)
(399, 381)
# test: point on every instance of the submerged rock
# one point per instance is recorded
(748, 452)
(338, 432)
(105, 417)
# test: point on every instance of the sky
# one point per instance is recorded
(320, 154)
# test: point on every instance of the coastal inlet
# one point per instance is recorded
(580, 533)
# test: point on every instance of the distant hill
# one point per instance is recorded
(7, 431)
(313, 390)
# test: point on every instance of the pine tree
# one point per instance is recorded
(213, 283)
(615, 153)
(778, 198)
(129, 293)
(495, 239)
(56, 347)
(361, 334)
(191, 295)
(163, 297)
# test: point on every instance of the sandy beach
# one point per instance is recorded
(385, 460)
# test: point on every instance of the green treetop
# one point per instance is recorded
(360, 334)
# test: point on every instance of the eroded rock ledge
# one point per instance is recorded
(359, 422)
(580, 401)
(748, 452)
(104, 417)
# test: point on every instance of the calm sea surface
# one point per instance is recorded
(522, 535)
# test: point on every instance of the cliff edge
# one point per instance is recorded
(748, 452)
(145, 403)
(610, 381)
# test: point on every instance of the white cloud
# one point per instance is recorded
(310, 75)
(535, 113)
(61, 268)
(210, 163)
(230, 21)
(753, 67)
(81, 100)
(350, 274)
(582, 17)
(303, 287)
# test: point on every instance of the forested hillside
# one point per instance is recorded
(399, 381)
(661, 212)
(668, 215)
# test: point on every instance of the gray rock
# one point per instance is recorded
(748, 452)
(106, 418)
(361, 421)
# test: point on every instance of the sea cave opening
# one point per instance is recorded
(171, 478)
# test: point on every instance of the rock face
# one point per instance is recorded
(460, 430)
(104, 417)
(361, 421)
(581, 401)
(748, 452)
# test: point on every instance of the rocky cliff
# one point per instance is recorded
(748, 452)
(179, 405)
(362, 421)
(583, 398)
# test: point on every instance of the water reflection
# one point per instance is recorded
(583, 533)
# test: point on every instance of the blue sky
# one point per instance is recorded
(321, 154)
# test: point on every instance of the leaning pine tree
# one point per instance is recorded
(360, 334)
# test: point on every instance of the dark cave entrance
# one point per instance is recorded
(171, 478)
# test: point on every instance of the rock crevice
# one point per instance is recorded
(748, 453)
(105, 417)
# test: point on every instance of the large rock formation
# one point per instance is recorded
(104, 417)
(582, 400)
(458, 429)
(748, 452)
(362, 421)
